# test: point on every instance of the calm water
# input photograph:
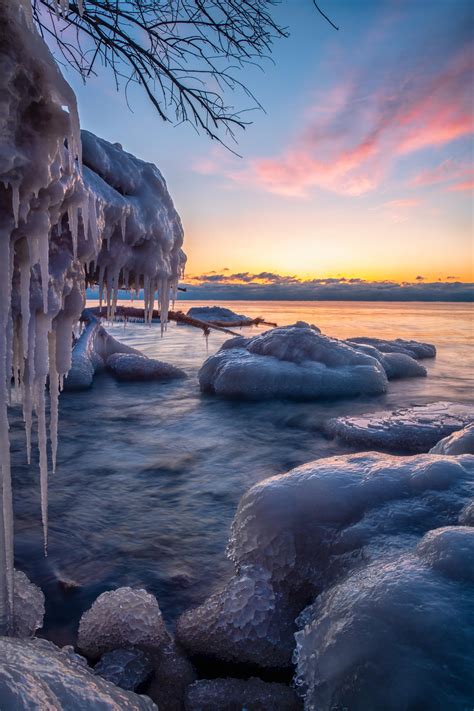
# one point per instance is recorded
(149, 475)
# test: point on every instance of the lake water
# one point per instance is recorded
(149, 475)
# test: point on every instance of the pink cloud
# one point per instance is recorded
(405, 202)
(459, 187)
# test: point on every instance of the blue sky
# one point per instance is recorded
(361, 165)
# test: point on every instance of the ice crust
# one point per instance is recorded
(460, 442)
(414, 349)
(35, 674)
(397, 634)
(110, 219)
(216, 314)
(127, 668)
(293, 361)
(237, 694)
(122, 618)
(414, 429)
(295, 535)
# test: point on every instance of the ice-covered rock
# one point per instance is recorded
(460, 442)
(396, 365)
(414, 349)
(237, 694)
(28, 606)
(293, 361)
(131, 367)
(412, 429)
(173, 672)
(248, 621)
(120, 618)
(295, 534)
(127, 668)
(217, 315)
(35, 674)
(397, 634)
(466, 517)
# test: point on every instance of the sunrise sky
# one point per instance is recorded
(361, 166)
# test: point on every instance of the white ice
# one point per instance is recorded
(217, 315)
(460, 442)
(412, 429)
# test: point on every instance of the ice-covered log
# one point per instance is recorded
(397, 634)
(236, 694)
(412, 429)
(293, 361)
(294, 535)
(112, 221)
(460, 442)
(37, 674)
(414, 349)
(125, 617)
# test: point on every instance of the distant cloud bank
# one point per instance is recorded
(271, 286)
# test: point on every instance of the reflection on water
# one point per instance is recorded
(149, 475)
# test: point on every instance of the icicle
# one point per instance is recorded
(72, 219)
(43, 458)
(43, 245)
(16, 202)
(123, 222)
(85, 216)
(53, 398)
(101, 285)
(80, 7)
(25, 278)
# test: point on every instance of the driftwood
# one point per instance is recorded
(134, 313)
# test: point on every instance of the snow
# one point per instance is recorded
(122, 618)
(37, 674)
(412, 429)
(397, 634)
(110, 219)
(127, 668)
(129, 367)
(217, 315)
(414, 349)
(293, 361)
(297, 535)
(460, 442)
(231, 694)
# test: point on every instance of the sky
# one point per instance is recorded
(360, 168)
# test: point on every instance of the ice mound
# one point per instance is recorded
(293, 361)
(412, 429)
(460, 442)
(121, 618)
(130, 367)
(218, 315)
(36, 674)
(28, 606)
(414, 349)
(127, 668)
(247, 621)
(397, 634)
(237, 694)
(396, 365)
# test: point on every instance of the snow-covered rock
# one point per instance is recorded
(398, 634)
(35, 674)
(127, 668)
(218, 315)
(412, 429)
(414, 349)
(131, 367)
(294, 535)
(237, 694)
(293, 361)
(120, 618)
(460, 442)
(28, 606)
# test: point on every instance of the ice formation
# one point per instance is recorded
(460, 442)
(173, 672)
(296, 535)
(414, 349)
(396, 365)
(293, 361)
(412, 429)
(232, 694)
(397, 634)
(112, 221)
(36, 674)
(122, 618)
(217, 315)
(129, 367)
(127, 668)
(29, 606)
